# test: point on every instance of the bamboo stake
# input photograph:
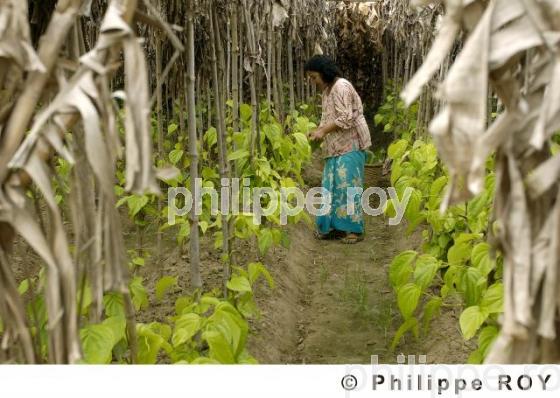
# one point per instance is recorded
(198, 94)
(196, 280)
(279, 83)
(208, 105)
(159, 116)
(228, 58)
(299, 78)
(241, 54)
(269, 55)
(252, 84)
(290, 58)
(235, 65)
(222, 152)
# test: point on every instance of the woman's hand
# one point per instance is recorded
(317, 135)
(322, 131)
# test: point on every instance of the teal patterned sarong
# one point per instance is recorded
(340, 173)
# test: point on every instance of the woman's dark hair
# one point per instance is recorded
(323, 65)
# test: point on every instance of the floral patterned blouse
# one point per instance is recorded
(343, 106)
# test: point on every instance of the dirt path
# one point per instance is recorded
(334, 304)
(349, 303)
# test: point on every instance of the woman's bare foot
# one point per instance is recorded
(352, 238)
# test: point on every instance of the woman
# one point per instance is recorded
(346, 135)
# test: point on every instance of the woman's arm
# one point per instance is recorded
(343, 112)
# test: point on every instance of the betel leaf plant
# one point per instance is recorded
(454, 267)
(212, 329)
(394, 116)
(284, 149)
(205, 329)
